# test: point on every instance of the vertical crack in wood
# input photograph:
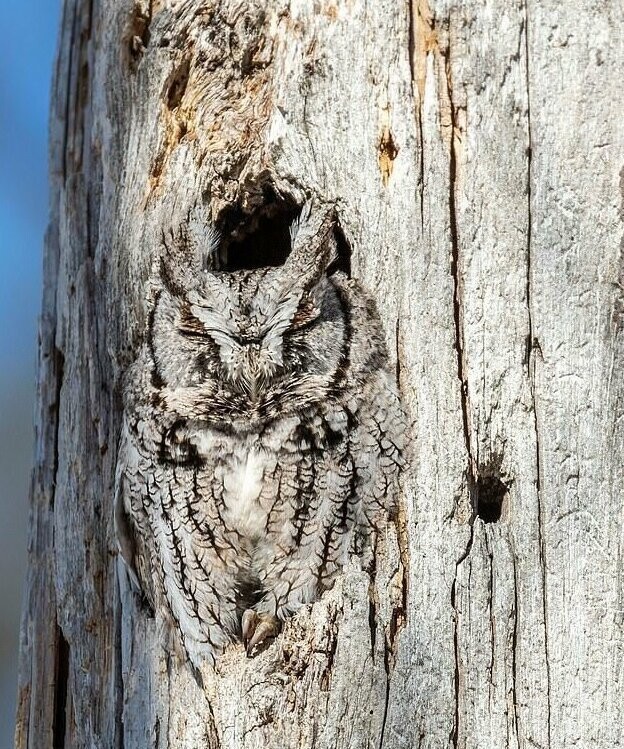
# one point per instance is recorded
(528, 190)
(372, 599)
(514, 649)
(421, 39)
(455, 274)
(58, 373)
(396, 622)
(490, 554)
(411, 37)
(61, 684)
(157, 732)
(397, 343)
(214, 742)
(461, 374)
(421, 137)
(325, 678)
(454, 737)
(389, 655)
(118, 676)
(532, 349)
(386, 703)
(399, 612)
(411, 50)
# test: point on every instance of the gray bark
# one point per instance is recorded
(476, 154)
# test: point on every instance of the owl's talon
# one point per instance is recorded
(267, 629)
(248, 625)
(257, 628)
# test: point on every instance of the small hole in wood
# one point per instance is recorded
(491, 498)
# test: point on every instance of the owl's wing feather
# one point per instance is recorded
(126, 542)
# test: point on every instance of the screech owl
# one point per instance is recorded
(262, 433)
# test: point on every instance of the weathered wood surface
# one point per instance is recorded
(476, 151)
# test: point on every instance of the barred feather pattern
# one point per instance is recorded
(262, 435)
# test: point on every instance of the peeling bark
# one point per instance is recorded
(474, 151)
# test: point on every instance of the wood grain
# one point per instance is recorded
(475, 152)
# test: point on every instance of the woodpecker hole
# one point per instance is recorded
(491, 498)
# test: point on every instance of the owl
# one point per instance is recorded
(262, 435)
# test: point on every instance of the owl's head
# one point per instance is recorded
(258, 337)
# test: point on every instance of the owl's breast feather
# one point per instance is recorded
(242, 483)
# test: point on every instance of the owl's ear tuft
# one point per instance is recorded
(185, 255)
(206, 250)
(199, 240)
(318, 244)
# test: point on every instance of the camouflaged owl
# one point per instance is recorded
(262, 434)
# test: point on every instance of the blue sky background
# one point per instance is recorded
(26, 56)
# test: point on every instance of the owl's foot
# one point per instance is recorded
(257, 628)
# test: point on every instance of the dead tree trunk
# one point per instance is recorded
(474, 150)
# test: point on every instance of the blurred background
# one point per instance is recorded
(26, 56)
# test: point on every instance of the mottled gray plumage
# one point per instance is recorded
(261, 434)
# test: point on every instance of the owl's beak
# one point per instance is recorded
(252, 369)
(254, 374)
(254, 390)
